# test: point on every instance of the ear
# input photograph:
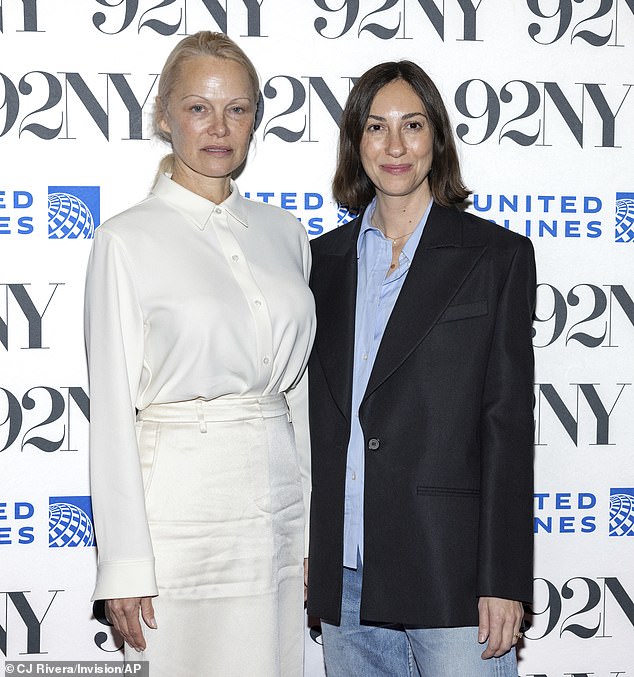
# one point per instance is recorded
(163, 123)
(164, 126)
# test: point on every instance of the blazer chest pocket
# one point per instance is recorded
(422, 490)
(463, 311)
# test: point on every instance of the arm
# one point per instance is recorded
(114, 342)
(298, 402)
(506, 529)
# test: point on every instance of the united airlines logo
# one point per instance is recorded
(73, 212)
(624, 227)
(622, 512)
(70, 522)
(344, 216)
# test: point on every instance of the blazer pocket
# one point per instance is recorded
(422, 490)
(462, 311)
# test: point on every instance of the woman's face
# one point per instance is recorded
(210, 116)
(397, 143)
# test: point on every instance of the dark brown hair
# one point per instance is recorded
(351, 186)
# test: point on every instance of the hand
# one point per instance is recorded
(500, 621)
(124, 615)
(305, 580)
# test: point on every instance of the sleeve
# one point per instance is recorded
(297, 398)
(505, 559)
(114, 344)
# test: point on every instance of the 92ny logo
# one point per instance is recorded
(51, 106)
(26, 618)
(574, 20)
(55, 412)
(586, 315)
(165, 18)
(547, 21)
(584, 607)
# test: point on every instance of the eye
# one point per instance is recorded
(373, 127)
(414, 124)
(197, 108)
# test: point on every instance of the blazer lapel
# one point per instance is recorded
(439, 267)
(335, 288)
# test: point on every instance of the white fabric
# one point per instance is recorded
(185, 299)
(225, 510)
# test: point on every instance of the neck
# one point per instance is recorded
(398, 217)
(215, 189)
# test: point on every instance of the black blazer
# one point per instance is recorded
(447, 421)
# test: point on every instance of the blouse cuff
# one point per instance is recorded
(133, 578)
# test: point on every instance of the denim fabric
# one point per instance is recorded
(359, 650)
(455, 652)
(355, 649)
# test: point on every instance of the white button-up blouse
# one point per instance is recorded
(185, 299)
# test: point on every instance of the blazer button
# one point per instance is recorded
(373, 444)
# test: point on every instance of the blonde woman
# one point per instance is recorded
(199, 323)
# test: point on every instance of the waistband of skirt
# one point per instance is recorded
(218, 409)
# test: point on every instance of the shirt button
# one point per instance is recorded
(365, 356)
(257, 302)
(374, 444)
(354, 475)
(218, 210)
(235, 258)
(266, 360)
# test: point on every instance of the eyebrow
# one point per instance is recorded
(201, 96)
(407, 116)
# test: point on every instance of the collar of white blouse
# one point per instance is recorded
(197, 208)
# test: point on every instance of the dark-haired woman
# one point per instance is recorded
(420, 404)
(199, 317)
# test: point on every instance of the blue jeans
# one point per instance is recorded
(355, 649)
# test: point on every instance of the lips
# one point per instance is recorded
(396, 170)
(217, 150)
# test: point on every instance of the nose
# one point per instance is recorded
(217, 125)
(395, 145)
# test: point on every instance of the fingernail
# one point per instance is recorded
(481, 638)
(153, 623)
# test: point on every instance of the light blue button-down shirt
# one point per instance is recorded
(376, 296)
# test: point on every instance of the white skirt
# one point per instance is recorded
(224, 505)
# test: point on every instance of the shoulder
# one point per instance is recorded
(273, 218)
(336, 241)
(478, 231)
(135, 218)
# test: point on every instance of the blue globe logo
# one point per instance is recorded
(69, 217)
(69, 527)
(621, 515)
(344, 216)
(625, 220)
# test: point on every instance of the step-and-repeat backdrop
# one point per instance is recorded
(540, 95)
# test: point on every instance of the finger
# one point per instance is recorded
(495, 621)
(147, 612)
(135, 633)
(518, 629)
(483, 625)
(125, 614)
(118, 618)
(502, 633)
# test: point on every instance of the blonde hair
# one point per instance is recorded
(203, 43)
